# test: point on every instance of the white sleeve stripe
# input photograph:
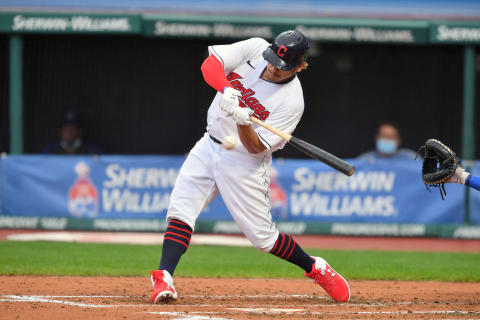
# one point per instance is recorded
(265, 141)
(217, 56)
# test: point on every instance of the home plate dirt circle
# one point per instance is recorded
(24, 297)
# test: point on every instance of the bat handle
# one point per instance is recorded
(280, 133)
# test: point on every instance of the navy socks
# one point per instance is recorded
(286, 248)
(175, 242)
(177, 239)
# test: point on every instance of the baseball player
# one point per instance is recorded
(253, 78)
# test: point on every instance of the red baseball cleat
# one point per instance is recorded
(330, 280)
(163, 289)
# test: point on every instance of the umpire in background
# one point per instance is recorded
(71, 141)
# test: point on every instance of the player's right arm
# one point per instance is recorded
(221, 61)
(214, 74)
(233, 55)
(225, 58)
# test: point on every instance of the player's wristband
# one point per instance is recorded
(467, 181)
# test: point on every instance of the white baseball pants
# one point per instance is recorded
(242, 180)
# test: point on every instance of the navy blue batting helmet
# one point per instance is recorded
(288, 50)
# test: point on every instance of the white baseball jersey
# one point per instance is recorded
(242, 179)
(280, 105)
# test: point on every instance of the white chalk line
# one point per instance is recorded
(13, 298)
(238, 297)
(17, 299)
(199, 318)
(89, 305)
(234, 296)
(188, 315)
(274, 311)
(302, 311)
(82, 296)
(196, 296)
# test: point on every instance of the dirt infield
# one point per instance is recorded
(24, 297)
(35, 297)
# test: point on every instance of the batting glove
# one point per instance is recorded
(242, 116)
(229, 100)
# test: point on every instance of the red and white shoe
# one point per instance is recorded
(330, 280)
(163, 289)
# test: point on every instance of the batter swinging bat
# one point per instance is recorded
(311, 150)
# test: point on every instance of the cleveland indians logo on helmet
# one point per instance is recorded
(281, 51)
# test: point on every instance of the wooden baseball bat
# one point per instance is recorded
(309, 149)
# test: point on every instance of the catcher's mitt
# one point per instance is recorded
(439, 165)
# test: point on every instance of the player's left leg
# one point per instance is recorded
(245, 191)
(194, 188)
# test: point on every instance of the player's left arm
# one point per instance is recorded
(249, 138)
(286, 119)
(258, 140)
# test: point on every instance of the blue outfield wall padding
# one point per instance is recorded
(139, 187)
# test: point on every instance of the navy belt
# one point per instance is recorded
(215, 139)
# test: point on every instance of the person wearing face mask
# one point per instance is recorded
(388, 142)
(71, 141)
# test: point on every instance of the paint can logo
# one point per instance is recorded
(83, 195)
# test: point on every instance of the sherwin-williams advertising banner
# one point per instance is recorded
(139, 187)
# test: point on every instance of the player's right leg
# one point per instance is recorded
(194, 188)
(245, 191)
(316, 268)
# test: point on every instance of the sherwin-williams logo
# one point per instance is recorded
(332, 194)
(73, 23)
(83, 195)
